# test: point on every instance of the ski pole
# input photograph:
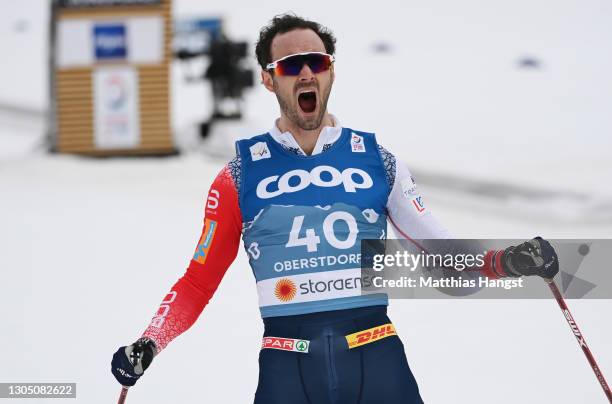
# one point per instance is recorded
(572, 323)
(123, 395)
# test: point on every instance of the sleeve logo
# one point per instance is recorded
(417, 203)
(163, 310)
(205, 241)
(213, 199)
(408, 186)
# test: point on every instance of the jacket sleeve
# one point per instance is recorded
(412, 220)
(408, 213)
(215, 252)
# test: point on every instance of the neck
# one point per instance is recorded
(306, 139)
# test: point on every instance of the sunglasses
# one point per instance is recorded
(291, 65)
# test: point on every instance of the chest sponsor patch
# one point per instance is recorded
(351, 179)
(260, 151)
(357, 144)
(311, 287)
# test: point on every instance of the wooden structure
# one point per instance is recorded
(126, 43)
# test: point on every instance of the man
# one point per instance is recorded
(302, 196)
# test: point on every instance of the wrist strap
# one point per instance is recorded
(493, 267)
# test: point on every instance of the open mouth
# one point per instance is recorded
(307, 101)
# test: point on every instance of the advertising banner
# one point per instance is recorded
(116, 108)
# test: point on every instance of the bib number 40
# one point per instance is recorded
(310, 238)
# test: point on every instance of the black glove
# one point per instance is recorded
(533, 257)
(130, 362)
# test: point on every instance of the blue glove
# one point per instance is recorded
(130, 362)
(533, 257)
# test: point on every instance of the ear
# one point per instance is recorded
(333, 73)
(267, 80)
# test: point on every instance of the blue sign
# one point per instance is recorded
(110, 41)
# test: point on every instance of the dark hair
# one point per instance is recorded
(288, 22)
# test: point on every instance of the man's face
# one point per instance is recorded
(302, 98)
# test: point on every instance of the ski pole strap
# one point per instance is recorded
(286, 344)
(373, 334)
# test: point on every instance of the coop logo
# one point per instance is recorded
(110, 41)
(351, 179)
(370, 335)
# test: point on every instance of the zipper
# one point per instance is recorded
(333, 378)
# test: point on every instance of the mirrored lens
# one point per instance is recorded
(293, 65)
(317, 63)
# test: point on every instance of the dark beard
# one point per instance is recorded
(293, 115)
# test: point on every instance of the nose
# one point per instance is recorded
(306, 74)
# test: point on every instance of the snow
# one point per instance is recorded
(89, 246)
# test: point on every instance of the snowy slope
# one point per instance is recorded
(88, 247)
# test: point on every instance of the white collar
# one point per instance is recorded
(328, 135)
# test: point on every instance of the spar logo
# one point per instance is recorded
(285, 290)
(351, 179)
(370, 335)
(286, 344)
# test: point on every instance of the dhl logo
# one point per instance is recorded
(370, 335)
